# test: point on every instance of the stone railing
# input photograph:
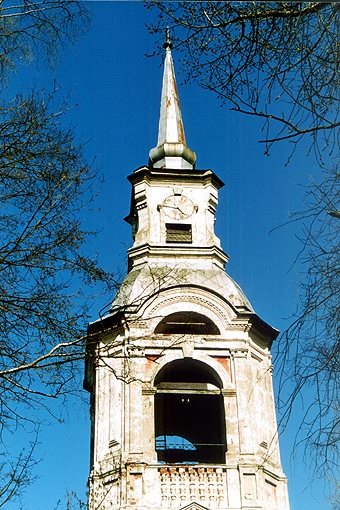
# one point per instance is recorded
(181, 485)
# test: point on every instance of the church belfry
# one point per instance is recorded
(179, 370)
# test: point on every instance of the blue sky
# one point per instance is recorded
(117, 91)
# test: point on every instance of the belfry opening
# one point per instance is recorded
(187, 391)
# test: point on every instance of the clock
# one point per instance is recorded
(178, 207)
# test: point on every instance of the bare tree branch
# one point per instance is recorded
(275, 60)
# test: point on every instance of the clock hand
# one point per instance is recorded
(173, 207)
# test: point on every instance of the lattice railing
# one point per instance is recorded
(181, 485)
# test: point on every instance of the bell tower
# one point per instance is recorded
(179, 371)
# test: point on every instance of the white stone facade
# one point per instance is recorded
(125, 471)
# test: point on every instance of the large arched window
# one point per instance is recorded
(189, 414)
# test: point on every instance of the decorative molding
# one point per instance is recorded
(141, 200)
(191, 298)
(142, 205)
(278, 477)
(239, 353)
(255, 357)
(207, 485)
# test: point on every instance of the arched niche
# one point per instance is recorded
(189, 414)
(187, 322)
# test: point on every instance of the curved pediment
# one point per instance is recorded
(196, 310)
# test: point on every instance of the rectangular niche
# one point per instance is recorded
(249, 488)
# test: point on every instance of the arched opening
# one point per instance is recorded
(187, 323)
(189, 414)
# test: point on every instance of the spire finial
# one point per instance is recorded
(168, 43)
(171, 151)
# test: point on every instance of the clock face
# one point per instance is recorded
(178, 207)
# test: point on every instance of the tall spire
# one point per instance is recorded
(171, 151)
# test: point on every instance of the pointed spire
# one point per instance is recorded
(171, 151)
